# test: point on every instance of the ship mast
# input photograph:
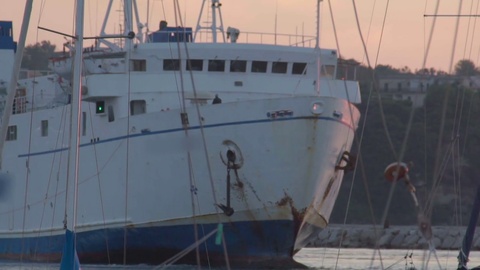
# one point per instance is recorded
(213, 27)
(14, 77)
(130, 9)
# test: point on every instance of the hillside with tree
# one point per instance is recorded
(441, 146)
(35, 56)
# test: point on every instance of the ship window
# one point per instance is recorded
(259, 66)
(171, 64)
(139, 65)
(327, 70)
(44, 128)
(84, 123)
(195, 64)
(111, 115)
(279, 67)
(138, 107)
(216, 65)
(12, 133)
(299, 68)
(238, 66)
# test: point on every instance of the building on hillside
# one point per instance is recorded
(472, 82)
(347, 69)
(406, 87)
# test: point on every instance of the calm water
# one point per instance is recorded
(324, 258)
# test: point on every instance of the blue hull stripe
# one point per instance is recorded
(190, 128)
(250, 243)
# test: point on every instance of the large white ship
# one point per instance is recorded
(180, 139)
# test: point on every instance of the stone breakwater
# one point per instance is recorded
(394, 237)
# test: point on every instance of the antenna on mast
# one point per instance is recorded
(215, 5)
(276, 18)
(317, 45)
(317, 49)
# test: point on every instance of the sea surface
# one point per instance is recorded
(320, 258)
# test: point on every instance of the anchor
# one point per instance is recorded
(231, 157)
(349, 160)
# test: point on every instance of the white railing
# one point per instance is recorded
(26, 73)
(265, 38)
(19, 105)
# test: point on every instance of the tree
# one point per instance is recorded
(35, 57)
(406, 70)
(386, 70)
(427, 71)
(465, 67)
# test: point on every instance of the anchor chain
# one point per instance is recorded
(231, 157)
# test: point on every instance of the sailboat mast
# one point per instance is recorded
(128, 14)
(14, 77)
(317, 39)
(76, 107)
(469, 233)
(317, 49)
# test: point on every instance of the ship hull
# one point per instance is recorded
(248, 243)
(145, 181)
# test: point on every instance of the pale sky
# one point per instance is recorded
(404, 38)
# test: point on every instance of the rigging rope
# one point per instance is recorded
(129, 49)
(452, 57)
(455, 137)
(382, 115)
(370, 26)
(359, 143)
(408, 127)
(430, 36)
(399, 156)
(178, 17)
(27, 175)
(202, 131)
(468, 30)
(429, 206)
(53, 205)
(181, 94)
(185, 126)
(187, 250)
(98, 181)
(62, 142)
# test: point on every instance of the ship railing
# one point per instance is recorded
(27, 73)
(19, 105)
(293, 40)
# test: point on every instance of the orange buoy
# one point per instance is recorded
(394, 168)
